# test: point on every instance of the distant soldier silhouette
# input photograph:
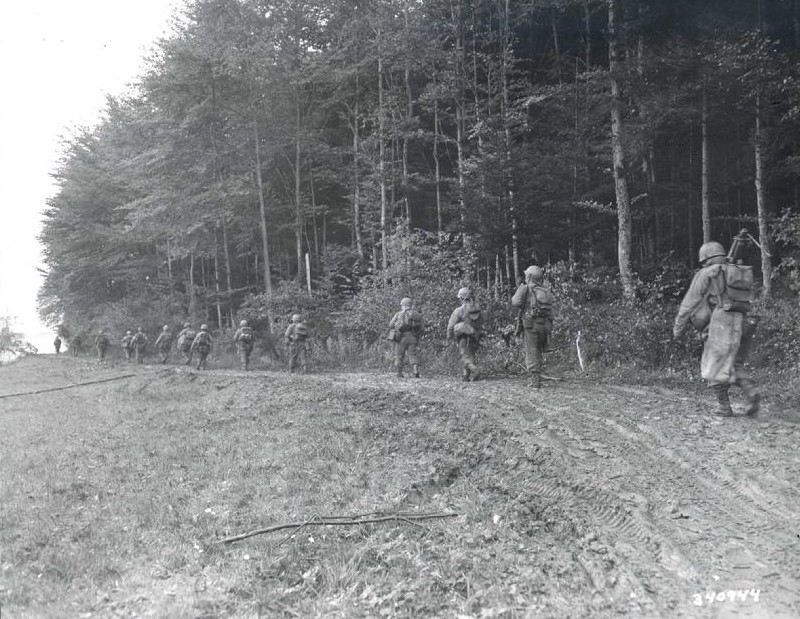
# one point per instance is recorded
(202, 345)
(57, 344)
(244, 339)
(76, 346)
(139, 344)
(164, 343)
(185, 340)
(295, 339)
(406, 328)
(466, 325)
(101, 344)
(127, 345)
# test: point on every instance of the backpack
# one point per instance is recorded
(738, 287)
(470, 321)
(246, 336)
(541, 303)
(203, 340)
(300, 331)
(410, 320)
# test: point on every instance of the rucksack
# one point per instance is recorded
(246, 335)
(203, 340)
(300, 331)
(738, 287)
(540, 302)
(410, 320)
(470, 321)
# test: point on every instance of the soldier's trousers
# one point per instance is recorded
(127, 354)
(536, 338)
(138, 354)
(244, 355)
(164, 354)
(406, 348)
(467, 348)
(187, 356)
(202, 354)
(297, 356)
(101, 352)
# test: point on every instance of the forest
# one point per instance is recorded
(332, 157)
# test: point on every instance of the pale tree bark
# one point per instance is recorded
(509, 175)
(624, 218)
(763, 223)
(226, 251)
(298, 199)
(357, 234)
(217, 287)
(460, 120)
(437, 169)
(382, 172)
(409, 115)
(262, 208)
(705, 204)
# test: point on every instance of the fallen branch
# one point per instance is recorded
(337, 520)
(91, 382)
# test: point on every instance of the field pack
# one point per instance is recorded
(246, 335)
(738, 287)
(540, 302)
(470, 323)
(410, 320)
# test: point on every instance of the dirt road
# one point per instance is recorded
(582, 499)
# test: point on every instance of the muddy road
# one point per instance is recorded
(586, 498)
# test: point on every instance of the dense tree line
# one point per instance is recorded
(270, 139)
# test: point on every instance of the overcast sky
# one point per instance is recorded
(58, 60)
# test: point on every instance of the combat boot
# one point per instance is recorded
(723, 402)
(752, 396)
(415, 367)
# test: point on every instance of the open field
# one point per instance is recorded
(587, 499)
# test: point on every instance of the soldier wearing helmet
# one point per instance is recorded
(535, 303)
(711, 305)
(202, 345)
(185, 340)
(139, 344)
(244, 341)
(101, 344)
(295, 339)
(127, 346)
(466, 326)
(164, 343)
(405, 329)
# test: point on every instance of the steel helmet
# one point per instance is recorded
(710, 250)
(204, 327)
(243, 323)
(534, 273)
(296, 318)
(186, 325)
(128, 332)
(464, 293)
(406, 302)
(166, 328)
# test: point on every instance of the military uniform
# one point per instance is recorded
(406, 328)
(101, 344)
(76, 346)
(536, 304)
(202, 345)
(164, 343)
(295, 339)
(139, 344)
(466, 325)
(728, 333)
(185, 340)
(57, 344)
(244, 338)
(127, 345)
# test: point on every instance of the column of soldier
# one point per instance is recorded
(717, 302)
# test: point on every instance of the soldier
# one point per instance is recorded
(244, 339)
(139, 344)
(101, 344)
(406, 328)
(466, 325)
(76, 345)
(185, 340)
(295, 339)
(535, 303)
(57, 344)
(202, 344)
(164, 343)
(127, 345)
(710, 304)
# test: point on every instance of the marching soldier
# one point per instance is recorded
(718, 301)
(202, 344)
(57, 344)
(138, 344)
(406, 328)
(295, 340)
(164, 343)
(243, 338)
(535, 303)
(127, 345)
(185, 340)
(101, 344)
(466, 325)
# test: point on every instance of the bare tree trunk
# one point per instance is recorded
(191, 286)
(263, 213)
(382, 172)
(227, 254)
(705, 204)
(409, 115)
(298, 205)
(763, 224)
(217, 287)
(509, 167)
(587, 20)
(624, 218)
(460, 120)
(357, 182)
(437, 173)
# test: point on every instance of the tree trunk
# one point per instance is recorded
(263, 213)
(217, 287)
(191, 286)
(624, 219)
(298, 206)
(763, 223)
(227, 254)
(409, 115)
(437, 173)
(356, 182)
(509, 164)
(382, 172)
(705, 204)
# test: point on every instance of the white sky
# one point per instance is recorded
(58, 60)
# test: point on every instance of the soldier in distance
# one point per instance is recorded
(127, 346)
(185, 339)
(466, 326)
(202, 345)
(164, 343)
(244, 340)
(295, 340)
(535, 303)
(405, 329)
